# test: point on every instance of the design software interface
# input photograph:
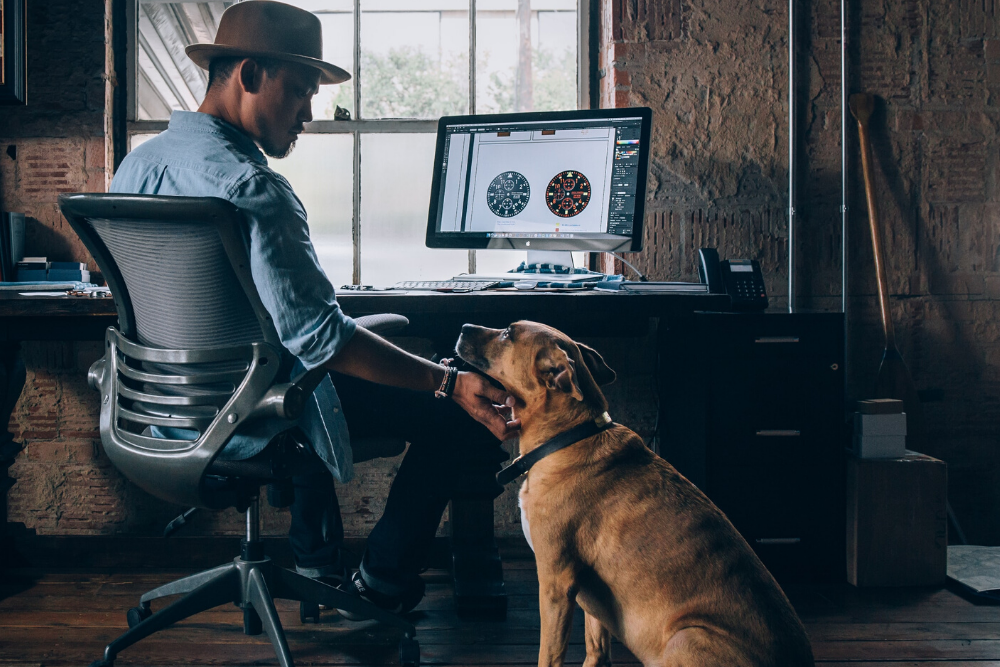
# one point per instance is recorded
(548, 179)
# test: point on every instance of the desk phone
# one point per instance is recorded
(741, 279)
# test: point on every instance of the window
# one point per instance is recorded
(366, 182)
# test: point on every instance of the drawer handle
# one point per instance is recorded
(778, 540)
(777, 339)
(779, 433)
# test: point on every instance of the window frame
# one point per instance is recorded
(586, 72)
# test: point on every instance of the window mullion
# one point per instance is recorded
(472, 90)
(472, 56)
(356, 217)
(356, 199)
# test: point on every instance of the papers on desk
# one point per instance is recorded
(42, 286)
(43, 293)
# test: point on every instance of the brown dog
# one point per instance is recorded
(617, 529)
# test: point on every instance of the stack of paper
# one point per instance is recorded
(880, 429)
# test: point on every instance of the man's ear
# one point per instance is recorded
(600, 371)
(558, 372)
(250, 73)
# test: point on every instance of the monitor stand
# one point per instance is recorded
(562, 258)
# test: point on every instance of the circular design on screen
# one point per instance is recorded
(568, 194)
(508, 194)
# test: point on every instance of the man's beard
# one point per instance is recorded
(278, 156)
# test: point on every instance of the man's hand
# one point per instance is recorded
(484, 403)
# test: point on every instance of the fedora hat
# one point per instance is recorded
(266, 29)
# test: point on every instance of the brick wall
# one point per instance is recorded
(715, 74)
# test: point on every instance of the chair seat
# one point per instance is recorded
(230, 483)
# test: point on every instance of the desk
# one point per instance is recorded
(80, 318)
(437, 316)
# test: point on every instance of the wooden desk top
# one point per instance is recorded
(590, 312)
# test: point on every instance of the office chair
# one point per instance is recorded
(195, 349)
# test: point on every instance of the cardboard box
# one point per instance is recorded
(880, 406)
(879, 446)
(879, 425)
(897, 521)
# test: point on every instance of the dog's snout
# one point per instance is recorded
(469, 345)
(472, 329)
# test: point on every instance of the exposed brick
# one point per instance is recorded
(991, 50)
(646, 20)
(956, 171)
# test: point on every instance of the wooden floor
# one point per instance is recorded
(66, 618)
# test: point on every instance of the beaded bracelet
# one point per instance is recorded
(447, 382)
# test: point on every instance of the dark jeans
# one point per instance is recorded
(450, 455)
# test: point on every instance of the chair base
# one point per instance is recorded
(251, 585)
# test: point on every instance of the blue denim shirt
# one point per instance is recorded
(200, 155)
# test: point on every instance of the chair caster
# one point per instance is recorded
(137, 615)
(307, 611)
(409, 652)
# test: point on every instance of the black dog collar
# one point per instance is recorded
(522, 464)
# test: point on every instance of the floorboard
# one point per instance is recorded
(65, 617)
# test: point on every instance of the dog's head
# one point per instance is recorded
(537, 364)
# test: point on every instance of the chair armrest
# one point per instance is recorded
(95, 376)
(383, 324)
(287, 400)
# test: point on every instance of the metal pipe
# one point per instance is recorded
(253, 520)
(792, 167)
(843, 159)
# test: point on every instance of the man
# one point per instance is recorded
(264, 68)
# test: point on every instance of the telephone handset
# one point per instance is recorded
(741, 279)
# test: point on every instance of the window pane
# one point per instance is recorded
(136, 140)
(526, 55)
(337, 17)
(414, 58)
(169, 80)
(395, 193)
(321, 170)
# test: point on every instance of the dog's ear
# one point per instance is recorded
(601, 372)
(558, 372)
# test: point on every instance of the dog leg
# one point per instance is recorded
(556, 599)
(598, 640)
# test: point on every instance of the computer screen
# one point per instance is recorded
(573, 180)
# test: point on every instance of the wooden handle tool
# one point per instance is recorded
(894, 380)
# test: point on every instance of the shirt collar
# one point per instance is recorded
(195, 121)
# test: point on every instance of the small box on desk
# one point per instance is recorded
(897, 521)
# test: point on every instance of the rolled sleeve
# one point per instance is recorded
(292, 285)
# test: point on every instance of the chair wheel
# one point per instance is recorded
(307, 611)
(137, 615)
(409, 652)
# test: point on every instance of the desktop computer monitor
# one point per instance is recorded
(557, 181)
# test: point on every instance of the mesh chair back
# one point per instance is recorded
(183, 290)
(196, 351)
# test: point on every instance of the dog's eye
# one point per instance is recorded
(505, 333)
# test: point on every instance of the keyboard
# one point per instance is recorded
(445, 285)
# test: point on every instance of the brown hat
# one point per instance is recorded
(265, 29)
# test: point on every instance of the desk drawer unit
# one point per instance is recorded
(752, 412)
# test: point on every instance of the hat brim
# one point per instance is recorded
(203, 54)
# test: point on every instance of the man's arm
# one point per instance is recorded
(309, 321)
(370, 357)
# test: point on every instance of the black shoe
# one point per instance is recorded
(396, 604)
